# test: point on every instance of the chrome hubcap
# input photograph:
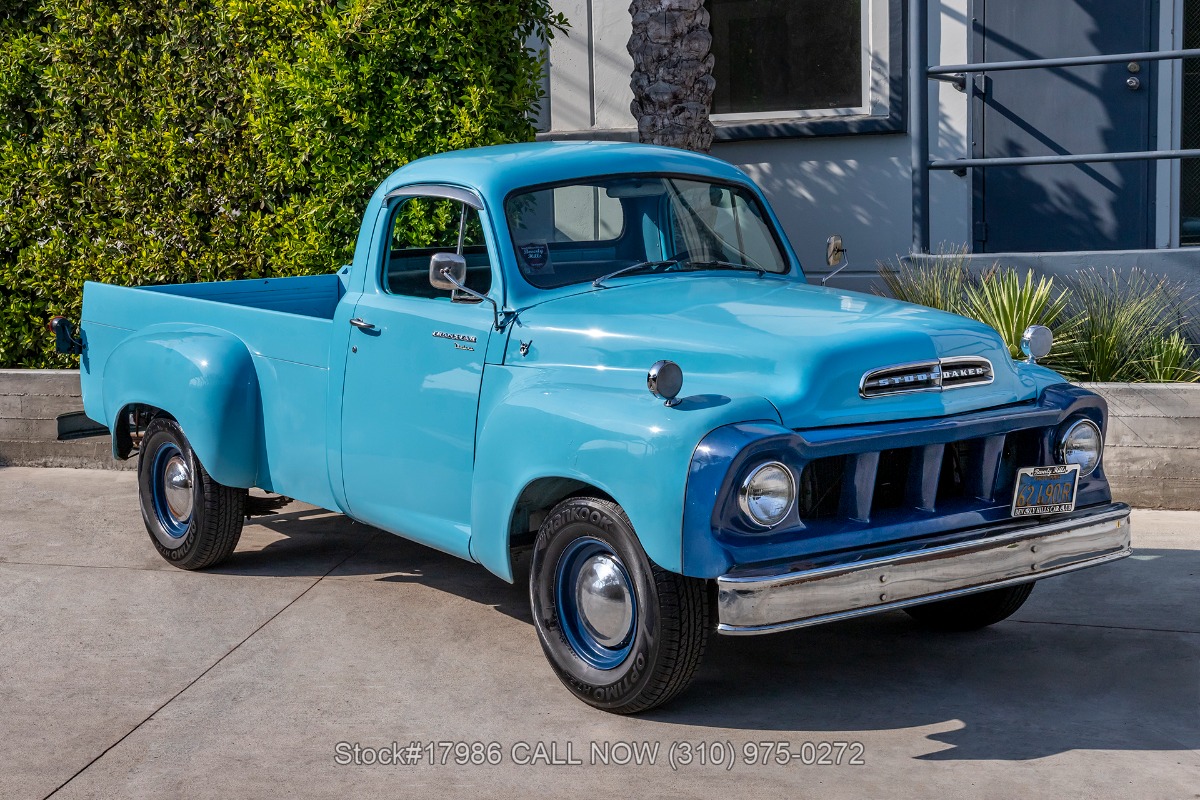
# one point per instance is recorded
(604, 598)
(177, 488)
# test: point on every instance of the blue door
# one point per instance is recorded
(1097, 109)
(413, 375)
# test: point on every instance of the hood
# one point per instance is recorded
(804, 348)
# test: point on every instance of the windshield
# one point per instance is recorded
(585, 230)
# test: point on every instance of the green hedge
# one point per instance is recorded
(155, 141)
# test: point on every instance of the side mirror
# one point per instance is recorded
(835, 254)
(1036, 342)
(834, 251)
(451, 263)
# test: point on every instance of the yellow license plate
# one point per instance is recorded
(1045, 490)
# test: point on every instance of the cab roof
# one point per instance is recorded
(497, 170)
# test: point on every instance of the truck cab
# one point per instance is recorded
(609, 355)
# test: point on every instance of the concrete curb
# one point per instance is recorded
(1153, 443)
(30, 402)
(1152, 456)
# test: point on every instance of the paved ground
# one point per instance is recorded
(121, 676)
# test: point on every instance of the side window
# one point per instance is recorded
(422, 226)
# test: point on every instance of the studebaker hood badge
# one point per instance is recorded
(927, 376)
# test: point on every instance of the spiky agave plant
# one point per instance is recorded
(938, 280)
(1010, 304)
(1130, 327)
(1171, 359)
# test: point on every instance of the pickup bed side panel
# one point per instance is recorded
(536, 424)
(249, 385)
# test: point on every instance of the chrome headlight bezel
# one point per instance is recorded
(745, 491)
(1064, 436)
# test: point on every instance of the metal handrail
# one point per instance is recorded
(1087, 158)
(1073, 61)
(921, 73)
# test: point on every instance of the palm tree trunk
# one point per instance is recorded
(672, 73)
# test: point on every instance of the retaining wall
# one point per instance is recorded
(1152, 455)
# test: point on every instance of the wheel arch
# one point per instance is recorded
(536, 501)
(205, 380)
(543, 442)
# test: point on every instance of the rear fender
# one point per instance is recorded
(205, 379)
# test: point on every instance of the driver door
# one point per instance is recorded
(413, 375)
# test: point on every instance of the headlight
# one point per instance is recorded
(767, 494)
(1081, 443)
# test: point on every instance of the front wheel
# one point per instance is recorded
(623, 634)
(973, 611)
(193, 521)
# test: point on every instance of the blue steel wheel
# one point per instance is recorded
(596, 602)
(622, 634)
(193, 521)
(171, 490)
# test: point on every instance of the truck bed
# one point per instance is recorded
(315, 296)
(285, 324)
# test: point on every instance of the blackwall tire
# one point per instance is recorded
(973, 611)
(623, 634)
(193, 521)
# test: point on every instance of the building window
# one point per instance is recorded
(795, 59)
(786, 55)
(783, 69)
(1189, 171)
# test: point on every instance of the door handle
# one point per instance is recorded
(1133, 83)
(362, 323)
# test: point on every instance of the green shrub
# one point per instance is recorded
(1171, 358)
(939, 280)
(1108, 326)
(185, 140)
(1129, 327)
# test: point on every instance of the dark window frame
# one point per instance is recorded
(839, 125)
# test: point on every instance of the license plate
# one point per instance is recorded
(1045, 490)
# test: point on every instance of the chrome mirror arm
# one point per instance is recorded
(845, 263)
(459, 287)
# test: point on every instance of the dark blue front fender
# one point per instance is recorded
(717, 538)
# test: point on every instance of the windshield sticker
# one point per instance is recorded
(535, 257)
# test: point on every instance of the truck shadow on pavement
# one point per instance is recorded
(1105, 659)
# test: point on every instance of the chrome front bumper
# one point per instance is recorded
(798, 595)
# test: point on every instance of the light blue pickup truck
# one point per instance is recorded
(606, 357)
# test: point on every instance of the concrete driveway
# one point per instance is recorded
(121, 676)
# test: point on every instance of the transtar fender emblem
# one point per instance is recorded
(458, 337)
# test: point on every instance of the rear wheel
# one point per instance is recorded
(623, 634)
(973, 611)
(193, 521)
